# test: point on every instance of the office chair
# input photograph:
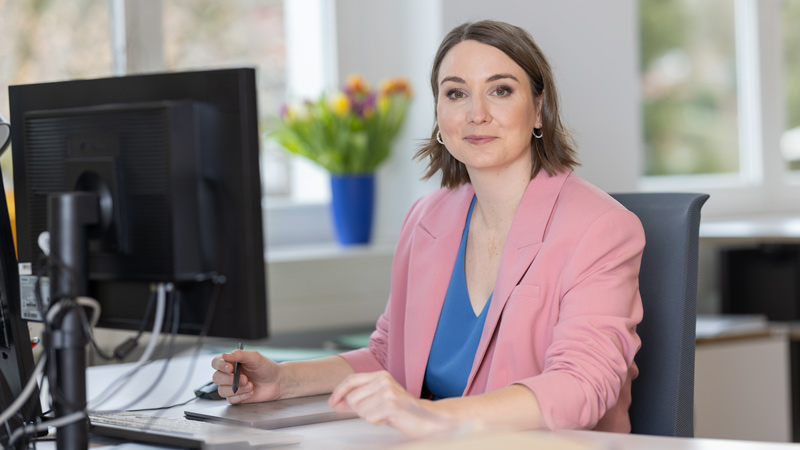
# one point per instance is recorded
(663, 394)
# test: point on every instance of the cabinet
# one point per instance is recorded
(743, 387)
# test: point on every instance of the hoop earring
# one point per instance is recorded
(439, 137)
(538, 136)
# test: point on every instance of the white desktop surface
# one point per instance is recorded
(774, 228)
(355, 434)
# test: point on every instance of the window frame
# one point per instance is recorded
(764, 185)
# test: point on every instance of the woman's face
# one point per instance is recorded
(485, 108)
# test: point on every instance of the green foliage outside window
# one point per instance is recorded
(688, 71)
(791, 50)
(50, 40)
(791, 74)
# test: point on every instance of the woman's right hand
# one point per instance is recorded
(259, 380)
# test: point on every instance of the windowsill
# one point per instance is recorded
(283, 203)
(694, 182)
(325, 252)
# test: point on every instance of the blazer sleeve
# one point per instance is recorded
(594, 340)
(372, 358)
(375, 357)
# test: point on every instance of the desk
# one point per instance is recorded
(778, 228)
(357, 434)
(354, 434)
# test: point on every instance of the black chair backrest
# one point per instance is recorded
(663, 394)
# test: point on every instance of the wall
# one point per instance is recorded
(592, 48)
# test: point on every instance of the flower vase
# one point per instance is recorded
(352, 201)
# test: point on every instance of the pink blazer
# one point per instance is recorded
(563, 315)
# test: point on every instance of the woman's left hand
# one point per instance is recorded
(380, 400)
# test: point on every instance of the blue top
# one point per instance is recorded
(457, 333)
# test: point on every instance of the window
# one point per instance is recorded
(689, 80)
(790, 140)
(290, 43)
(210, 33)
(278, 38)
(760, 173)
(190, 34)
(40, 43)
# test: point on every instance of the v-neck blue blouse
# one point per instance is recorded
(457, 333)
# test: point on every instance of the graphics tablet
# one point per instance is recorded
(290, 412)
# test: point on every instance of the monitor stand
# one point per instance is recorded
(69, 216)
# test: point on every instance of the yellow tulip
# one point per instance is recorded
(383, 103)
(340, 104)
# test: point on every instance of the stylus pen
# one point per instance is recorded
(236, 371)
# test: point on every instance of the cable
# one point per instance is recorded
(57, 304)
(148, 311)
(176, 316)
(44, 265)
(8, 431)
(115, 385)
(218, 281)
(26, 391)
(37, 291)
(43, 426)
(61, 303)
(159, 322)
(94, 305)
(60, 307)
(122, 350)
(88, 329)
(144, 359)
(164, 407)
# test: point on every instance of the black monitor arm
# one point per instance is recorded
(69, 215)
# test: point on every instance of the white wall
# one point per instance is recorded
(592, 47)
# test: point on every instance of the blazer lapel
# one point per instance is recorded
(524, 241)
(433, 254)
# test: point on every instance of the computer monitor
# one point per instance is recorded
(16, 356)
(139, 180)
(173, 160)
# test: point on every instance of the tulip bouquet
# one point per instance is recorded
(347, 132)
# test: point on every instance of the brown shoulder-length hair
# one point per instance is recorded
(554, 152)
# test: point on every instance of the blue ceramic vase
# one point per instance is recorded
(352, 204)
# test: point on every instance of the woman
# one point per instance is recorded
(514, 298)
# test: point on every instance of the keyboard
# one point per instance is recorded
(181, 432)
